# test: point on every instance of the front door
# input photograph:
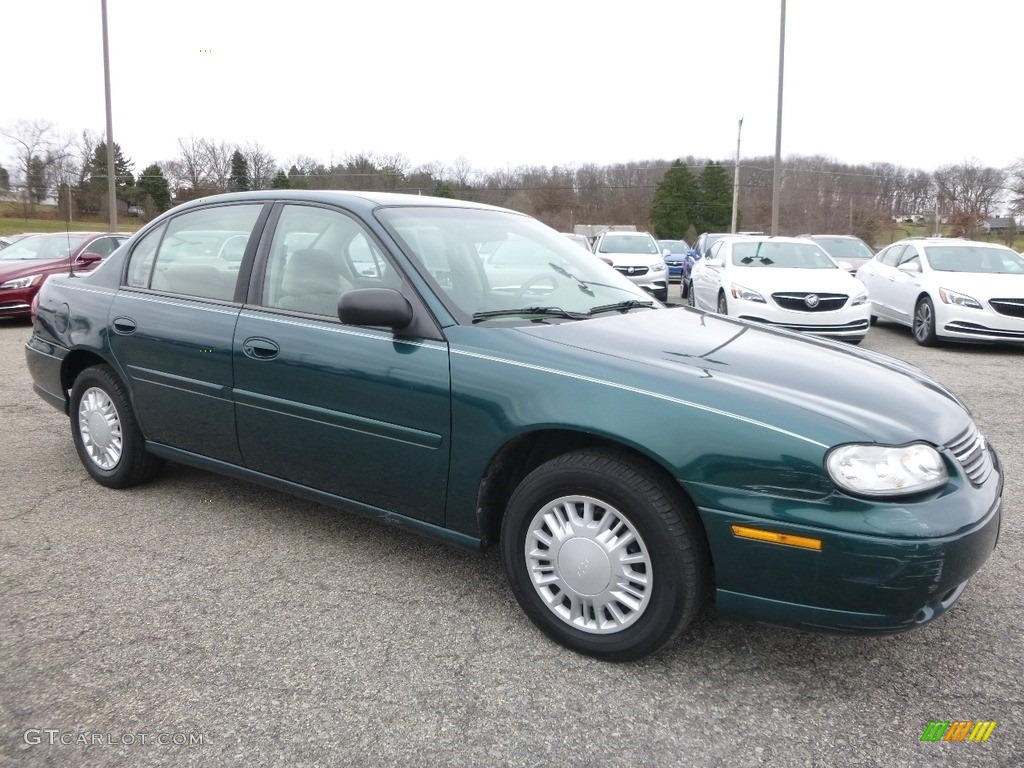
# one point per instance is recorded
(361, 413)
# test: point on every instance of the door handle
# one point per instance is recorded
(260, 349)
(124, 325)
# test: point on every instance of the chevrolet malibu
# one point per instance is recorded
(629, 461)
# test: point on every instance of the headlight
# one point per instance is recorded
(739, 292)
(958, 299)
(20, 282)
(659, 267)
(881, 470)
(861, 299)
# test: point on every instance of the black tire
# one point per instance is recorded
(107, 424)
(924, 323)
(873, 319)
(690, 299)
(682, 288)
(723, 304)
(656, 530)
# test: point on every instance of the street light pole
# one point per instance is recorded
(736, 179)
(111, 179)
(777, 175)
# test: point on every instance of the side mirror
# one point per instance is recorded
(607, 261)
(384, 307)
(692, 253)
(911, 268)
(666, 252)
(89, 257)
(845, 265)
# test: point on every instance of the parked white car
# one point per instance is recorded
(948, 289)
(637, 256)
(783, 281)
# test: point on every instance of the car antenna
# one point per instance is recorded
(67, 230)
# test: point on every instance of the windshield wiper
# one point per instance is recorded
(547, 311)
(621, 306)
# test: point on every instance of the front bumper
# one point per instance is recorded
(977, 325)
(845, 323)
(856, 582)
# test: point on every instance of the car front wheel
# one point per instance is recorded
(924, 323)
(690, 298)
(604, 555)
(105, 431)
(723, 305)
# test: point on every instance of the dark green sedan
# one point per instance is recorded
(471, 374)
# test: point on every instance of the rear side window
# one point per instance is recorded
(195, 254)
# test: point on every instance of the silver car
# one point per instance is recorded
(637, 256)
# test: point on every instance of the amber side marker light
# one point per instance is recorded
(771, 537)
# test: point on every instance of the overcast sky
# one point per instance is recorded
(919, 83)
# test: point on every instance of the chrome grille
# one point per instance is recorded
(823, 302)
(972, 453)
(1010, 307)
(632, 271)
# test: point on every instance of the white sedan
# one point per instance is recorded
(948, 289)
(783, 281)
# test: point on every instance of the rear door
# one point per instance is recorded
(172, 323)
(361, 413)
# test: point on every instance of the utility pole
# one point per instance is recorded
(111, 178)
(736, 179)
(777, 175)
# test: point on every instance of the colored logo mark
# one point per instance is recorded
(958, 730)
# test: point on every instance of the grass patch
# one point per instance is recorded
(47, 219)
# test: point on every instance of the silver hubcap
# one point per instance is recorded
(588, 564)
(924, 321)
(100, 428)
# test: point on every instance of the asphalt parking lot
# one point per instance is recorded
(202, 621)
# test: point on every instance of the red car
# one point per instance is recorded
(26, 263)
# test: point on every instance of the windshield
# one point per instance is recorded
(628, 244)
(845, 247)
(781, 255)
(39, 247)
(674, 246)
(966, 258)
(484, 261)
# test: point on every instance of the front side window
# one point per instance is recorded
(891, 255)
(316, 255)
(198, 253)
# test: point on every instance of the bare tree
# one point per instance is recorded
(262, 165)
(1016, 183)
(41, 156)
(217, 156)
(968, 192)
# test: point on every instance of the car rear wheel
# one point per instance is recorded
(604, 555)
(105, 431)
(924, 323)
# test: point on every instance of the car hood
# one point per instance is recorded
(10, 270)
(762, 374)
(820, 280)
(980, 285)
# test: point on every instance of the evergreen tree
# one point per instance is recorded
(280, 181)
(443, 189)
(714, 214)
(297, 179)
(239, 181)
(153, 187)
(672, 210)
(92, 193)
(5, 180)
